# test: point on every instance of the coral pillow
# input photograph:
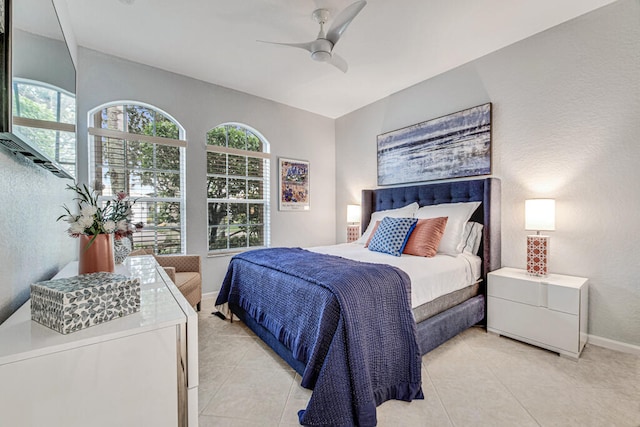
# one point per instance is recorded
(425, 238)
(373, 231)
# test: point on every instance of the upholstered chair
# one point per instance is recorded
(185, 271)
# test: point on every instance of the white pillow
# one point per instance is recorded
(408, 211)
(458, 214)
(471, 237)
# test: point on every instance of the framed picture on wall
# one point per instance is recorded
(293, 180)
(453, 146)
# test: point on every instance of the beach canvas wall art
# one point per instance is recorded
(452, 146)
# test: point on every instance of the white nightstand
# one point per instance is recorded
(549, 312)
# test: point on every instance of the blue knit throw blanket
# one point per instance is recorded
(349, 322)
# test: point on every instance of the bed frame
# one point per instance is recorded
(437, 329)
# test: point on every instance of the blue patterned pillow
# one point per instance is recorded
(392, 235)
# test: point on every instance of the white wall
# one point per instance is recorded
(199, 107)
(566, 125)
(62, 12)
(33, 246)
(42, 59)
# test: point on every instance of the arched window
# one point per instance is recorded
(45, 115)
(237, 188)
(140, 150)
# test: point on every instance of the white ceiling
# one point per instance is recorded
(389, 46)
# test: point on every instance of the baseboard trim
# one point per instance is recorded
(614, 345)
(207, 295)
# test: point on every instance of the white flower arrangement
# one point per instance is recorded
(113, 217)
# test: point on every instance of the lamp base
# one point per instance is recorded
(537, 255)
(353, 233)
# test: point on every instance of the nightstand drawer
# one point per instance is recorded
(562, 298)
(548, 292)
(535, 325)
(515, 289)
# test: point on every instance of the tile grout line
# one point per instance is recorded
(293, 384)
(446, 411)
(491, 370)
(513, 395)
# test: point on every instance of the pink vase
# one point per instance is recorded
(98, 256)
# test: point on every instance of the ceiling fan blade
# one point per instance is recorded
(343, 20)
(305, 46)
(338, 62)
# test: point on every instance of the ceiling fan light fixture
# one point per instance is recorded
(321, 56)
(321, 49)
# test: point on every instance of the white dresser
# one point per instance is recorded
(138, 370)
(549, 312)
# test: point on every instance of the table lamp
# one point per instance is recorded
(353, 222)
(539, 215)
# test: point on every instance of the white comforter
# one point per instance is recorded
(430, 277)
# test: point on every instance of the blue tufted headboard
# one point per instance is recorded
(485, 190)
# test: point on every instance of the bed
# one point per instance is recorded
(439, 320)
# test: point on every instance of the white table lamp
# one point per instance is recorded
(539, 215)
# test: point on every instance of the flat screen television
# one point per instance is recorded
(37, 109)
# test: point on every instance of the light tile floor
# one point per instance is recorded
(475, 379)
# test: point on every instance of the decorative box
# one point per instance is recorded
(73, 303)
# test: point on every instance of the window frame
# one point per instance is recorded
(265, 179)
(125, 136)
(56, 126)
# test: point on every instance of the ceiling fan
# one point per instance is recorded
(321, 49)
